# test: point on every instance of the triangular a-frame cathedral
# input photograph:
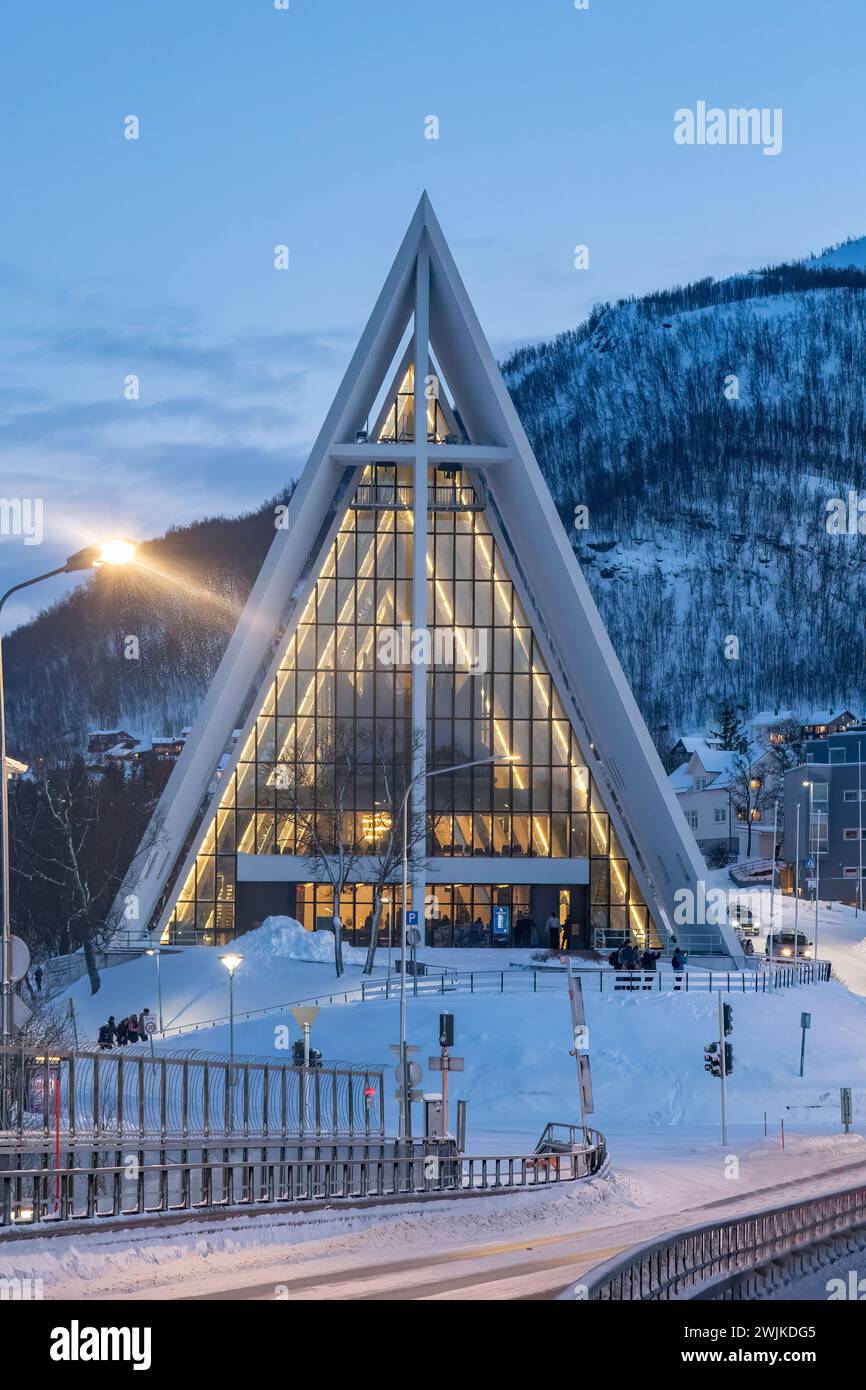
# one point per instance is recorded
(421, 607)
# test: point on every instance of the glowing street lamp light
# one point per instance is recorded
(231, 960)
(111, 552)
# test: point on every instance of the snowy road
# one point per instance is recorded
(529, 1245)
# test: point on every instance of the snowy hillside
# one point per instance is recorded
(850, 253)
(705, 429)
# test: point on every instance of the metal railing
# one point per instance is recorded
(128, 1094)
(706, 1260)
(207, 1176)
(522, 980)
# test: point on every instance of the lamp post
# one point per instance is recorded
(797, 872)
(156, 953)
(773, 889)
(231, 960)
(814, 837)
(858, 903)
(405, 1103)
(115, 552)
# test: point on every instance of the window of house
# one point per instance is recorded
(720, 814)
(692, 818)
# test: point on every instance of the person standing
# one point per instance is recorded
(552, 925)
(38, 976)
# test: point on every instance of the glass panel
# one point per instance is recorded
(334, 684)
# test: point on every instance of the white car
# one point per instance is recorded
(789, 945)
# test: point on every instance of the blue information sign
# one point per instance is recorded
(500, 921)
(412, 918)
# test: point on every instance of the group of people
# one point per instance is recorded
(128, 1030)
(630, 957)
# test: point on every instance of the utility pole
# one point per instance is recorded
(724, 1070)
(578, 1032)
(717, 1056)
(773, 889)
(797, 871)
(858, 903)
(817, 824)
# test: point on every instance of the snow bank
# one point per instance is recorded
(283, 938)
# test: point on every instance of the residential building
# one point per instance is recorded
(825, 817)
(710, 786)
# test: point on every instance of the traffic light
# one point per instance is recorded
(713, 1059)
(298, 1054)
(729, 1058)
(446, 1030)
(729, 1018)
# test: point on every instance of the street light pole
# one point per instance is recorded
(231, 960)
(405, 1087)
(797, 872)
(858, 902)
(773, 889)
(112, 552)
(818, 869)
(155, 951)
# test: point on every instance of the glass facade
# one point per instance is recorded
(337, 716)
(456, 914)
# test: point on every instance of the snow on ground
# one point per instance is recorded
(401, 1249)
(282, 963)
(653, 1100)
(646, 1048)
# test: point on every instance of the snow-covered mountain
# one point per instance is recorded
(704, 428)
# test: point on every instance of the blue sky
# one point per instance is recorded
(306, 127)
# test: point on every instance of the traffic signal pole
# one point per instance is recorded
(723, 1071)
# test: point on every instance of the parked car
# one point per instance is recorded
(743, 919)
(788, 945)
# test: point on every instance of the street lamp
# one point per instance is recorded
(405, 1104)
(156, 953)
(231, 960)
(817, 840)
(113, 552)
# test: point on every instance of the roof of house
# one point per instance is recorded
(722, 763)
(771, 716)
(827, 716)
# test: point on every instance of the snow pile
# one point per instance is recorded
(283, 938)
